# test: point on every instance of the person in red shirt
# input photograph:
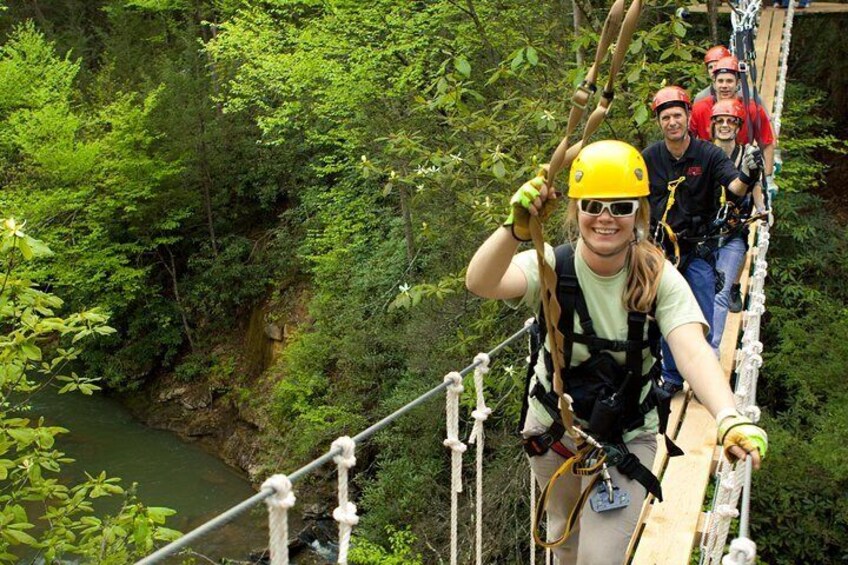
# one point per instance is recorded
(726, 82)
(712, 56)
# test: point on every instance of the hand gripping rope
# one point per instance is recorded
(480, 415)
(564, 155)
(278, 523)
(345, 513)
(457, 449)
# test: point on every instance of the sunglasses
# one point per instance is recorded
(725, 121)
(616, 208)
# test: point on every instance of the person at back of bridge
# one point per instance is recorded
(727, 77)
(622, 290)
(711, 57)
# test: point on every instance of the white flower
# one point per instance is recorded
(404, 288)
(457, 157)
(548, 116)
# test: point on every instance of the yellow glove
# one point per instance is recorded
(519, 215)
(736, 430)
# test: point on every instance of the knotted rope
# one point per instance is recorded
(345, 513)
(480, 415)
(454, 390)
(564, 155)
(278, 523)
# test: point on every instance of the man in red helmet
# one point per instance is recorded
(685, 175)
(713, 55)
(727, 118)
(726, 81)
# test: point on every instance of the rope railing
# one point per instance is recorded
(733, 480)
(270, 490)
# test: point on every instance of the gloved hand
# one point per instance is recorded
(771, 187)
(751, 164)
(738, 431)
(533, 198)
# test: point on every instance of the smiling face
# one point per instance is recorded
(725, 85)
(606, 236)
(674, 123)
(725, 128)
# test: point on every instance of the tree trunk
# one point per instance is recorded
(712, 14)
(579, 20)
(171, 266)
(407, 223)
(206, 183)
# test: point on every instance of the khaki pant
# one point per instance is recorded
(599, 539)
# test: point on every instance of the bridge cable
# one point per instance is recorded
(269, 490)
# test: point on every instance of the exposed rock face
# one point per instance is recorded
(225, 414)
(196, 412)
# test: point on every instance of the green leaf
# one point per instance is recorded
(31, 351)
(518, 60)
(499, 170)
(679, 29)
(532, 56)
(462, 66)
(26, 251)
(641, 115)
(19, 537)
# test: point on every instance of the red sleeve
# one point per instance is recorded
(699, 124)
(765, 134)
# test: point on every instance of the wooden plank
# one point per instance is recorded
(761, 41)
(678, 409)
(772, 61)
(669, 535)
(813, 8)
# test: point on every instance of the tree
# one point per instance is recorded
(37, 352)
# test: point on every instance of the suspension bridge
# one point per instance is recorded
(667, 533)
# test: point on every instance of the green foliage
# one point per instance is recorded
(38, 512)
(799, 509)
(399, 552)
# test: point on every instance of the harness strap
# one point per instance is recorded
(574, 515)
(633, 469)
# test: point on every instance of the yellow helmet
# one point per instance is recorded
(608, 169)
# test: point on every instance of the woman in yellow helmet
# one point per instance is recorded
(616, 285)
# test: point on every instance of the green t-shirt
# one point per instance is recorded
(676, 306)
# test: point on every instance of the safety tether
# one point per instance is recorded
(564, 155)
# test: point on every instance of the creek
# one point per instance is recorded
(169, 471)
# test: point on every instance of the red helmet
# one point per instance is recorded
(732, 108)
(726, 65)
(716, 53)
(670, 96)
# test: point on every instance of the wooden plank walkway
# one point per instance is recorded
(667, 532)
(813, 8)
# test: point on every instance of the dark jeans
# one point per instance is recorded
(701, 276)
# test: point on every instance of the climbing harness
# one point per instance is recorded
(663, 234)
(603, 394)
